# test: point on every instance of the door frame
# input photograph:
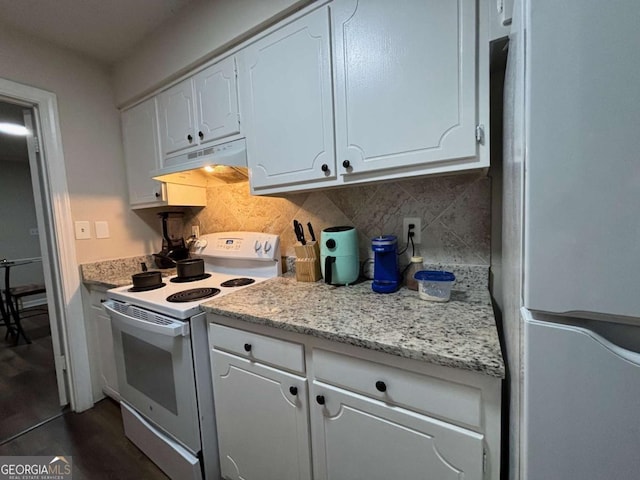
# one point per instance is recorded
(62, 277)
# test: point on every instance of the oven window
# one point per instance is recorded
(149, 370)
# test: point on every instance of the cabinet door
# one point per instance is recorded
(141, 152)
(363, 439)
(176, 118)
(217, 101)
(405, 82)
(263, 426)
(108, 373)
(285, 85)
(101, 344)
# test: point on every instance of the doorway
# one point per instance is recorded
(55, 231)
(30, 394)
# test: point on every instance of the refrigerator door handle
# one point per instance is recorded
(628, 355)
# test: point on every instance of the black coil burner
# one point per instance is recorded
(146, 288)
(190, 279)
(238, 282)
(193, 295)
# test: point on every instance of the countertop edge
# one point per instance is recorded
(436, 359)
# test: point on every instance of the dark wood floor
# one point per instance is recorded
(29, 397)
(96, 442)
(28, 387)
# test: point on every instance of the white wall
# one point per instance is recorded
(91, 138)
(202, 30)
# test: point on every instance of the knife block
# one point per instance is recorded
(308, 262)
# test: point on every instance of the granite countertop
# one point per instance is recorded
(117, 273)
(461, 333)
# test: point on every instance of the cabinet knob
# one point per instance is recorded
(201, 135)
(320, 399)
(190, 138)
(247, 347)
(346, 164)
(381, 386)
(324, 167)
(158, 194)
(293, 390)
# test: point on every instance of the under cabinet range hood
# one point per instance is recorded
(231, 154)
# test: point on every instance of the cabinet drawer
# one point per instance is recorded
(421, 393)
(257, 347)
(97, 296)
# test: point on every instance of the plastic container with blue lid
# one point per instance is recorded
(434, 285)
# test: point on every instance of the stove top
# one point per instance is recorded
(233, 261)
(193, 295)
(190, 279)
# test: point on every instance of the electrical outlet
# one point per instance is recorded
(195, 230)
(417, 230)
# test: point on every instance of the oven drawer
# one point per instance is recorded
(259, 348)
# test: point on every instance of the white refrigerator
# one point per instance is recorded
(575, 137)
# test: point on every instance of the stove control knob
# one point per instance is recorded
(267, 246)
(257, 246)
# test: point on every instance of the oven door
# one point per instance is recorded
(154, 362)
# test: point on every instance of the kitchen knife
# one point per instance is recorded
(296, 229)
(297, 226)
(313, 235)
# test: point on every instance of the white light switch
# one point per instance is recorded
(82, 230)
(102, 229)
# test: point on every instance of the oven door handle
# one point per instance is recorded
(174, 329)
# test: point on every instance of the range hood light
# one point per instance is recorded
(209, 169)
(230, 154)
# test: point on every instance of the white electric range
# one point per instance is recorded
(233, 260)
(162, 353)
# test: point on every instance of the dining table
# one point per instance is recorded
(7, 308)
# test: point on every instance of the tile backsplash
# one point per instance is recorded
(455, 213)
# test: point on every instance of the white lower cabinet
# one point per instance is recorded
(102, 356)
(345, 413)
(364, 439)
(261, 413)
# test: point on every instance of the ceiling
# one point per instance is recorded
(105, 30)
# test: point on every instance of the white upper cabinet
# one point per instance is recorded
(177, 120)
(405, 83)
(142, 157)
(142, 152)
(200, 109)
(286, 105)
(216, 99)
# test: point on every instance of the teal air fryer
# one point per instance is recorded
(339, 259)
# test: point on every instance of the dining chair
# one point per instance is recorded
(13, 296)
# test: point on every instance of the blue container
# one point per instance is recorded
(386, 271)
